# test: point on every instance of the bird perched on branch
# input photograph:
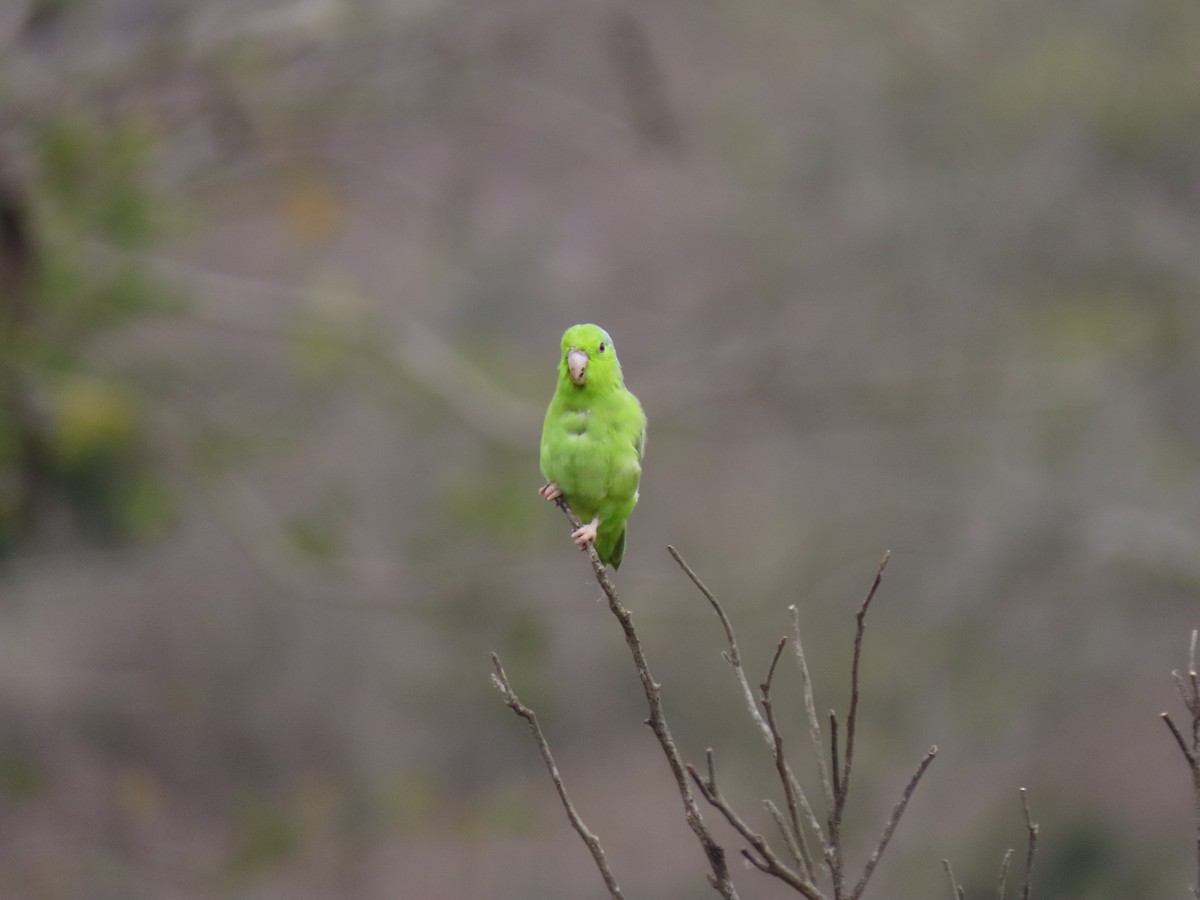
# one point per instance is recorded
(593, 440)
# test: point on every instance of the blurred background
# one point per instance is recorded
(281, 289)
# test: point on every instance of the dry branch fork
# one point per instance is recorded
(800, 826)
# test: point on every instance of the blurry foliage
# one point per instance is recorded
(91, 179)
(322, 350)
(493, 500)
(506, 812)
(410, 799)
(526, 640)
(140, 795)
(21, 777)
(266, 833)
(271, 829)
(1101, 322)
(1136, 103)
(316, 535)
(71, 428)
(1088, 859)
(335, 335)
(311, 208)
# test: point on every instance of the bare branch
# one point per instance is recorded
(715, 853)
(1031, 850)
(1189, 693)
(780, 760)
(852, 716)
(833, 757)
(1002, 883)
(759, 864)
(500, 680)
(788, 837)
(767, 860)
(892, 822)
(956, 891)
(840, 771)
(1183, 687)
(1179, 739)
(766, 686)
(810, 710)
(833, 850)
(734, 658)
(835, 777)
(1192, 674)
(1194, 708)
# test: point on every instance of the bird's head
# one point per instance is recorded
(588, 356)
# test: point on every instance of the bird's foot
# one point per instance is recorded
(550, 491)
(586, 534)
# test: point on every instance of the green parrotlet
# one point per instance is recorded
(593, 440)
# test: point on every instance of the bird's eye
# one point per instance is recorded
(602, 347)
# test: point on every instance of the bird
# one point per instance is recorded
(593, 442)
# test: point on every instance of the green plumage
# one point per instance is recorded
(593, 440)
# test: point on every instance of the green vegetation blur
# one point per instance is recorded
(72, 431)
(281, 289)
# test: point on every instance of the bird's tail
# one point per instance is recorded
(618, 550)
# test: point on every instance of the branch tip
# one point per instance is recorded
(766, 686)
(500, 680)
(1032, 828)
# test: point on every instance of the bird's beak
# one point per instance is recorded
(577, 362)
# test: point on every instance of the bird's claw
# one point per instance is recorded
(585, 534)
(550, 491)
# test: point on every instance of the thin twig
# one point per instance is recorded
(835, 778)
(733, 655)
(766, 860)
(1196, 796)
(1002, 883)
(840, 772)
(833, 848)
(1195, 677)
(715, 853)
(1189, 693)
(734, 658)
(833, 755)
(500, 680)
(1179, 739)
(956, 890)
(1182, 687)
(777, 745)
(852, 716)
(810, 709)
(788, 837)
(1194, 708)
(1031, 850)
(890, 828)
